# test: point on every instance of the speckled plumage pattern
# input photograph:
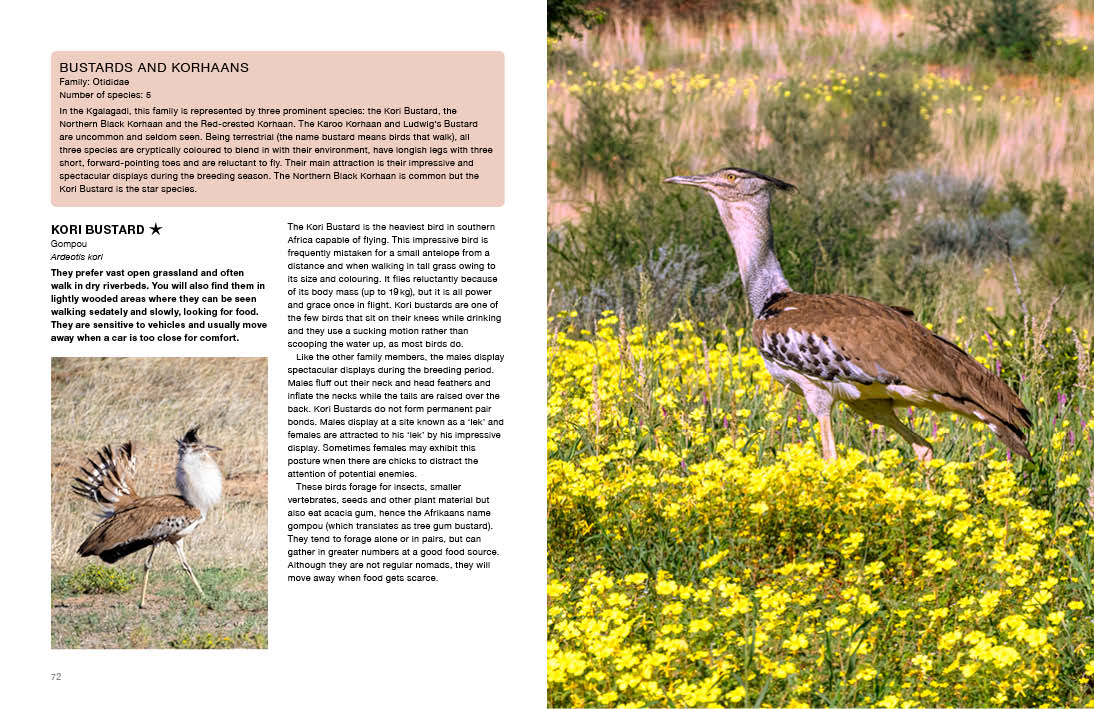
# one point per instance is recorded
(858, 349)
(147, 521)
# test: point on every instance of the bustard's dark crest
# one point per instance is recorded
(778, 184)
(734, 184)
(191, 441)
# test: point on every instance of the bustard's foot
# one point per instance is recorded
(924, 454)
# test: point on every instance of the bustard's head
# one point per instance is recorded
(743, 199)
(190, 443)
(734, 184)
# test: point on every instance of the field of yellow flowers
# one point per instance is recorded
(701, 553)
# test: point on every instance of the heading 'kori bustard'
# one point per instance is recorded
(134, 522)
(842, 348)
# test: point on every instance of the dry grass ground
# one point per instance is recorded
(151, 402)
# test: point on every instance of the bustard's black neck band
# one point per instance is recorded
(771, 300)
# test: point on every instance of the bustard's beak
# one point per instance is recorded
(693, 180)
(216, 448)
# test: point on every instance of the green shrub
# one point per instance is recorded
(1037, 351)
(617, 233)
(876, 119)
(1065, 257)
(610, 135)
(1061, 230)
(669, 284)
(95, 578)
(563, 17)
(943, 215)
(1068, 59)
(823, 235)
(1010, 29)
(792, 124)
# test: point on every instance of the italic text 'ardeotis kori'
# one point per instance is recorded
(841, 348)
(133, 522)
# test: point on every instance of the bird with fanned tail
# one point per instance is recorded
(133, 522)
(831, 348)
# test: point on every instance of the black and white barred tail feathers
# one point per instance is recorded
(109, 482)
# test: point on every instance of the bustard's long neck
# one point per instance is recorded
(749, 228)
(197, 476)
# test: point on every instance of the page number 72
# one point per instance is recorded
(55, 675)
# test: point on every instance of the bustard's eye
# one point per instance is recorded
(731, 178)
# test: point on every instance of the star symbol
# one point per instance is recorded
(156, 228)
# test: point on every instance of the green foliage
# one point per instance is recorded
(1013, 196)
(1040, 348)
(95, 578)
(825, 232)
(212, 641)
(877, 120)
(1066, 59)
(1063, 230)
(620, 232)
(1066, 258)
(1010, 29)
(678, 274)
(610, 136)
(564, 16)
(943, 216)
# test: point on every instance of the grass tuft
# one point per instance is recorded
(96, 578)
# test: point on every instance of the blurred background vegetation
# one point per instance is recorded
(942, 151)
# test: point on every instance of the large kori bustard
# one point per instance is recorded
(133, 522)
(832, 348)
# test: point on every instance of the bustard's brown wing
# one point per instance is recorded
(147, 521)
(109, 483)
(849, 339)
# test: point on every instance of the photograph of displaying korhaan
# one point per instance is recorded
(150, 487)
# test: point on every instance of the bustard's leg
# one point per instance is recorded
(828, 439)
(880, 411)
(182, 558)
(820, 402)
(147, 568)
